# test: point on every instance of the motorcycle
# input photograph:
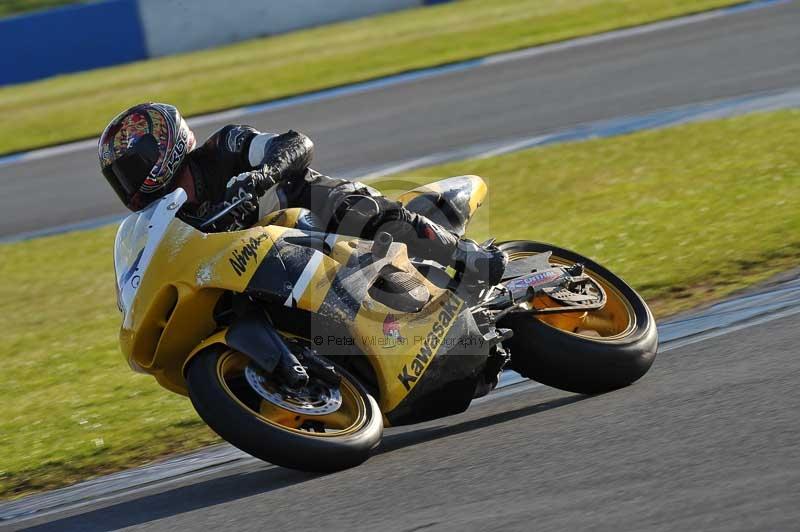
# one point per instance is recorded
(299, 346)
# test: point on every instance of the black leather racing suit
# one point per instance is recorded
(280, 167)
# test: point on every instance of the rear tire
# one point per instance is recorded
(266, 431)
(562, 351)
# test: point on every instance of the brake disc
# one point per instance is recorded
(315, 399)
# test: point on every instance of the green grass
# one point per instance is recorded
(80, 105)
(73, 407)
(16, 7)
(686, 215)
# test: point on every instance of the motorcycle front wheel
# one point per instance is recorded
(587, 352)
(321, 428)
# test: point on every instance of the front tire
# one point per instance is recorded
(320, 441)
(594, 352)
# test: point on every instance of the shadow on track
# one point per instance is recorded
(246, 484)
(180, 500)
(406, 439)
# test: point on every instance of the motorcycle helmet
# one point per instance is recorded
(141, 151)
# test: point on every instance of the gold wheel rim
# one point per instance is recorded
(615, 320)
(349, 418)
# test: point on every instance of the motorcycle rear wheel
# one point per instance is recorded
(591, 352)
(277, 431)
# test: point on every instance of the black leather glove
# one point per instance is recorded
(244, 190)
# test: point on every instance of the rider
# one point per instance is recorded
(148, 151)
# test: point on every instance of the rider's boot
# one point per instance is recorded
(475, 263)
(479, 263)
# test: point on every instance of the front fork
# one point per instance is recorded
(253, 334)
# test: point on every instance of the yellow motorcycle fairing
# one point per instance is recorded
(171, 279)
(174, 294)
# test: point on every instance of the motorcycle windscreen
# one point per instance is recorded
(138, 237)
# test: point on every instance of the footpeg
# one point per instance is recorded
(496, 336)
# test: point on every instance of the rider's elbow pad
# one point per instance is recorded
(285, 154)
(258, 148)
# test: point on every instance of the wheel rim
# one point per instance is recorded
(615, 320)
(285, 409)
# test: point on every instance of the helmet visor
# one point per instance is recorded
(128, 172)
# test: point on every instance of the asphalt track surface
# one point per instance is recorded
(723, 57)
(709, 439)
